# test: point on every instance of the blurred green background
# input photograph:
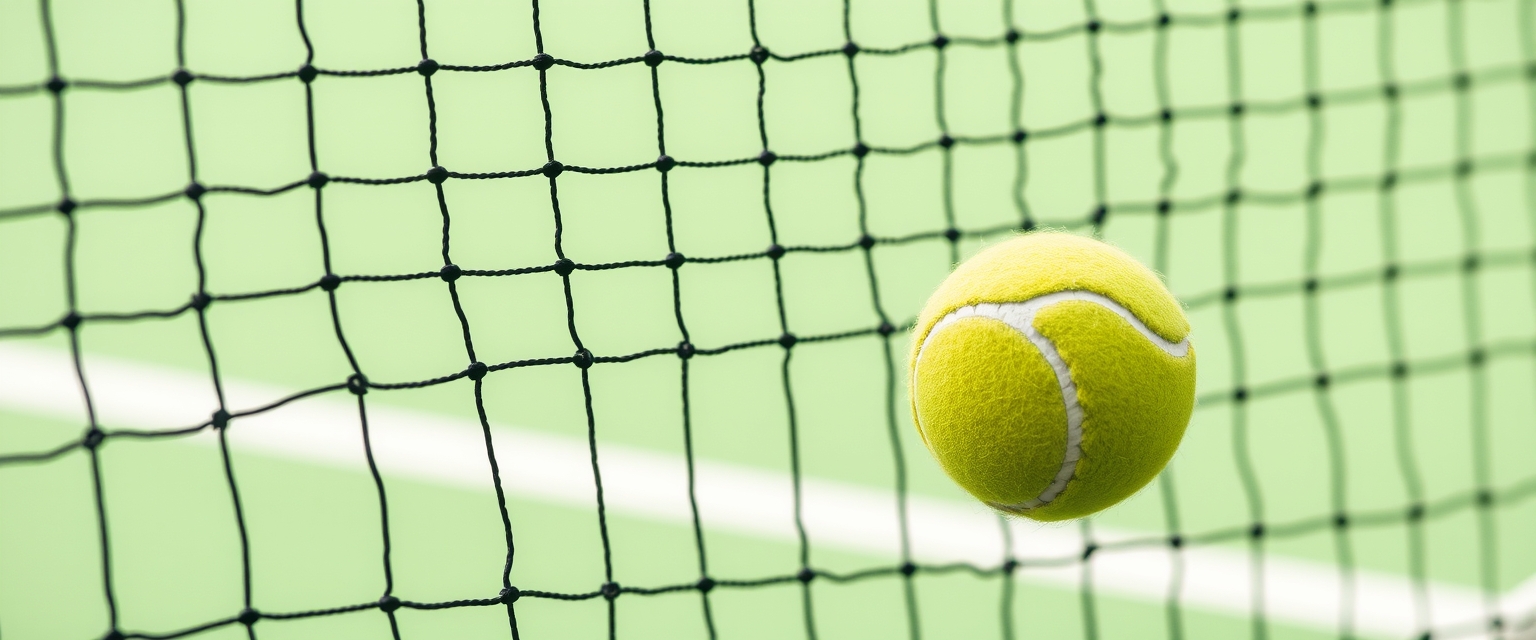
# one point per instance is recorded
(314, 531)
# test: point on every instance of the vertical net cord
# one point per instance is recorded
(388, 603)
(1016, 118)
(1007, 598)
(358, 382)
(1100, 212)
(1391, 317)
(946, 143)
(200, 302)
(1091, 35)
(786, 339)
(1467, 212)
(886, 331)
(475, 370)
(93, 437)
(1343, 547)
(1167, 490)
(1085, 594)
(1009, 569)
(583, 357)
(685, 347)
(1241, 451)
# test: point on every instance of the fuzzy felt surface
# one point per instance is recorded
(1043, 262)
(992, 411)
(1136, 401)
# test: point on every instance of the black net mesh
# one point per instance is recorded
(1339, 179)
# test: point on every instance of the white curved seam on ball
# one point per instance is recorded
(1021, 317)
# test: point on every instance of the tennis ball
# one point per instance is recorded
(1052, 375)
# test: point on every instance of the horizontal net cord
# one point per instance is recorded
(1312, 285)
(1515, 494)
(1511, 494)
(1456, 82)
(1461, 169)
(1473, 358)
(1159, 21)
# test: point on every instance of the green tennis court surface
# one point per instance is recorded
(1358, 274)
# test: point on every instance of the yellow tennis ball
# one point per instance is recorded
(1052, 375)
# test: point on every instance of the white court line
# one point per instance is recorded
(735, 498)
